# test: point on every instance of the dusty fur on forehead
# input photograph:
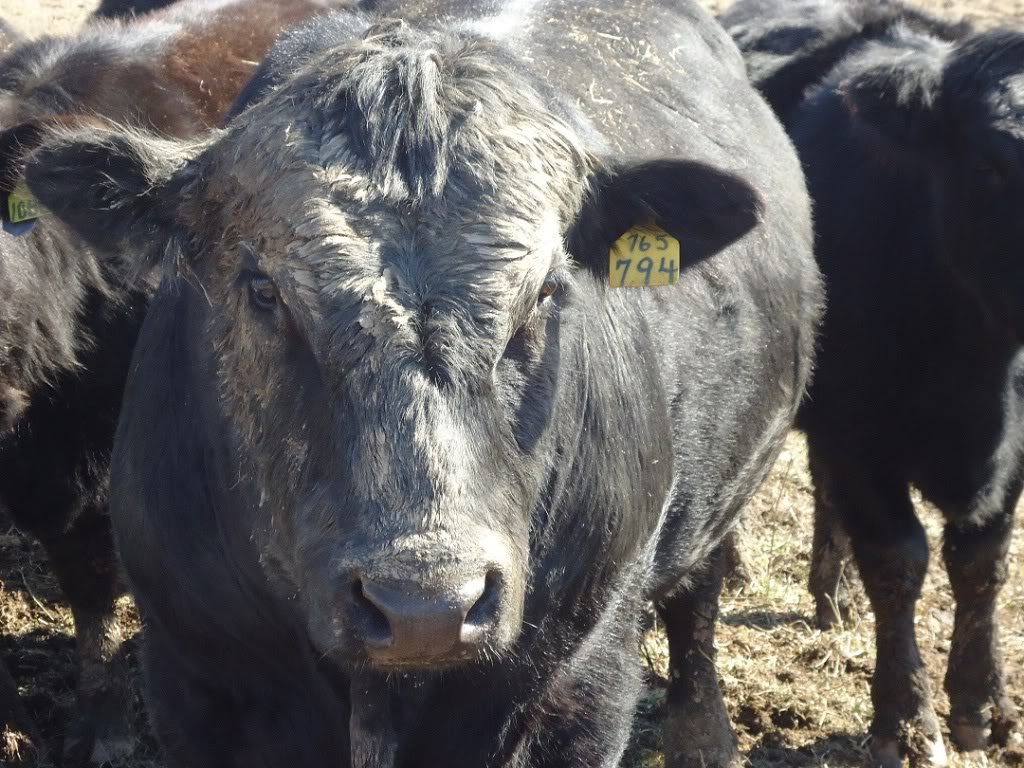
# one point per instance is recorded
(414, 107)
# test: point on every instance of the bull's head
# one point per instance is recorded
(388, 252)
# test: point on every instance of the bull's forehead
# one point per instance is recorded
(458, 265)
(412, 185)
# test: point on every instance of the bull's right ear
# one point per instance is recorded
(115, 189)
(702, 208)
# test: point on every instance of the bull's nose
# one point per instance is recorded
(406, 624)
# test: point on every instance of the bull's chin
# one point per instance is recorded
(351, 656)
(425, 664)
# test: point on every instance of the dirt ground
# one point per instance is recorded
(797, 696)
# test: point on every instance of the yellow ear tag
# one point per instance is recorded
(645, 256)
(21, 206)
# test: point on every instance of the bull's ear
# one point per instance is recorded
(16, 143)
(115, 189)
(703, 208)
(893, 104)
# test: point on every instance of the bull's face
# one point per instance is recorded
(383, 248)
(390, 366)
(392, 378)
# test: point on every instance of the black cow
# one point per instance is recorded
(68, 321)
(399, 459)
(911, 132)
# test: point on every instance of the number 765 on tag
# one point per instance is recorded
(643, 256)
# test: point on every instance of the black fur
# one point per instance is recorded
(623, 432)
(911, 141)
(790, 45)
(111, 9)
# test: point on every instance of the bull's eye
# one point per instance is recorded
(263, 292)
(549, 289)
(990, 174)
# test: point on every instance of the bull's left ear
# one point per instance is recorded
(15, 144)
(704, 208)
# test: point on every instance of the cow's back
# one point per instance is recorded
(790, 45)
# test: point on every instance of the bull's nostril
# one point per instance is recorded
(411, 624)
(484, 612)
(373, 625)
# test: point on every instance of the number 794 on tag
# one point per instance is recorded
(645, 256)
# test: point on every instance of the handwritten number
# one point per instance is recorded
(671, 271)
(618, 265)
(644, 242)
(645, 265)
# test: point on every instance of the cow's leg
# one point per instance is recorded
(86, 567)
(891, 551)
(17, 737)
(830, 553)
(975, 555)
(737, 573)
(697, 729)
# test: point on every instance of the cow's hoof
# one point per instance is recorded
(971, 733)
(699, 739)
(923, 752)
(969, 736)
(830, 616)
(1004, 722)
(885, 753)
(85, 744)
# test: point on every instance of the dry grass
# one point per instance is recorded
(798, 697)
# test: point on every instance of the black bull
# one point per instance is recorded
(397, 451)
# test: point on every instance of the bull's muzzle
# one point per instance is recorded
(407, 624)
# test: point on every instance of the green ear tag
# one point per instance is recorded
(21, 206)
(645, 256)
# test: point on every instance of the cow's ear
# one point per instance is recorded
(16, 143)
(115, 189)
(702, 208)
(893, 105)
